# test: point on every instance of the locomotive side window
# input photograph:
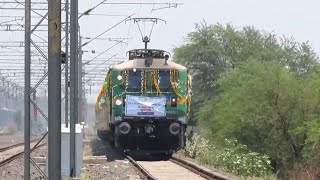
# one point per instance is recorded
(133, 80)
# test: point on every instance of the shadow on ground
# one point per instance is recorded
(103, 148)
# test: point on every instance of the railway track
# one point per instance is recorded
(12, 152)
(175, 168)
(207, 174)
(16, 145)
(5, 133)
(172, 169)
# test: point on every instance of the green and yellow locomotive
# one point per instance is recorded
(144, 103)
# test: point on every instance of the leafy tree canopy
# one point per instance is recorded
(256, 87)
(213, 50)
(266, 107)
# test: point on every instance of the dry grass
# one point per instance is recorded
(302, 172)
(85, 174)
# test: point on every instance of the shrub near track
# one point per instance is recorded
(233, 157)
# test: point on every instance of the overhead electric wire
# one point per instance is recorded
(102, 52)
(109, 15)
(43, 5)
(108, 30)
(142, 3)
(102, 63)
(91, 9)
(155, 1)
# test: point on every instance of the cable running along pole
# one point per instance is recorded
(54, 90)
(80, 76)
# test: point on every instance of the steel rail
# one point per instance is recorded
(141, 169)
(16, 156)
(197, 169)
(16, 145)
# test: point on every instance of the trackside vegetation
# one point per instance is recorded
(257, 97)
(233, 157)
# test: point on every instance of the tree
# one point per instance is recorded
(213, 50)
(266, 107)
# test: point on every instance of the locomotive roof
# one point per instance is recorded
(156, 64)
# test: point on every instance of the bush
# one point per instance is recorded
(237, 158)
(233, 156)
(196, 146)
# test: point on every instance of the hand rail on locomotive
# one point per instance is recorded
(143, 53)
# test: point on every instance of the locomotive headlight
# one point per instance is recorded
(173, 101)
(119, 77)
(174, 128)
(118, 102)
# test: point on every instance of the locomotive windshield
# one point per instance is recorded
(164, 80)
(134, 80)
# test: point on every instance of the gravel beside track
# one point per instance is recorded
(120, 170)
(14, 170)
(115, 168)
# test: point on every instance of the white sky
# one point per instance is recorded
(296, 18)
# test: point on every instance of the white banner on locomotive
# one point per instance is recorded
(145, 106)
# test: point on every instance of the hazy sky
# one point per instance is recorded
(296, 18)
(286, 17)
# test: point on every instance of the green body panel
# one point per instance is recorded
(117, 91)
(182, 109)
